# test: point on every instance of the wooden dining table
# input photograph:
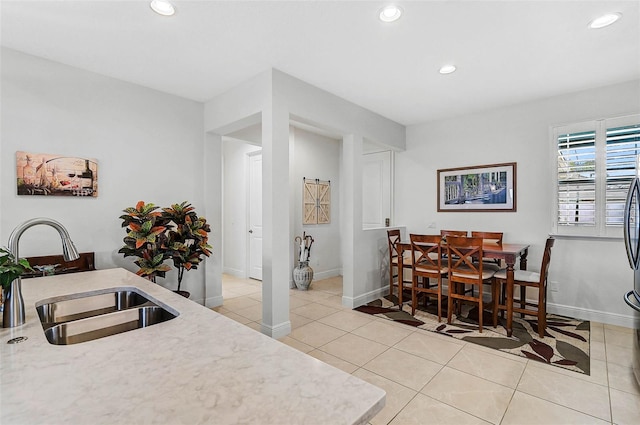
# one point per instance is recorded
(509, 252)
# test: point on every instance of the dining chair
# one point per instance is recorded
(393, 237)
(462, 271)
(444, 233)
(490, 238)
(526, 279)
(426, 262)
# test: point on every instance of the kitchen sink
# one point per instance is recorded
(96, 327)
(87, 316)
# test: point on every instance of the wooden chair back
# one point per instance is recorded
(546, 260)
(426, 253)
(453, 233)
(489, 237)
(461, 252)
(393, 237)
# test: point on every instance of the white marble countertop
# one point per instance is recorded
(198, 368)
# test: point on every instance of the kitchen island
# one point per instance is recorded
(198, 368)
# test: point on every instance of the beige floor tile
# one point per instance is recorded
(422, 407)
(253, 313)
(619, 355)
(316, 334)
(429, 347)
(404, 368)
(297, 320)
(525, 409)
(597, 375)
(300, 346)
(488, 366)
(597, 350)
(346, 320)
(397, 395)
(314, 311)
(617, 328)
(333, 361)
(619, 338)
(568, 391)
(235, 304)
(597, 332)
(334, 301)
(383, 332)
(295, 302)
(237, 317)
(476, 396)
(625, 408)
(332, 285)
(354, 349)
(256, 326)
(622, 378)
(310, 295)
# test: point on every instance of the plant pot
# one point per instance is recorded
(303, 275)
(183, 293)
(13, 311)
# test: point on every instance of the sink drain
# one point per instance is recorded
(17, 340)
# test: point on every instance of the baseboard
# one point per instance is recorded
(627, 321)
(213, 301)
(353, 302)
(278, 331)
(326, 274)
(234, 272)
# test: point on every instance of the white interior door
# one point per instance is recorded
(255, 216)
(376, 189)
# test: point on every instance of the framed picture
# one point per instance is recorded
(56, 175)
(316, 199)
(480, 188)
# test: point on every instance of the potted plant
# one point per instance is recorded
(175, 233)
(10, 270)
(146, 239)
(187, 239)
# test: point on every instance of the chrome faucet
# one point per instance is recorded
(13, 314)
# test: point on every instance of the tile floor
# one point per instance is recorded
(445, 381)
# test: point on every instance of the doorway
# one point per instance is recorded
(255, 215)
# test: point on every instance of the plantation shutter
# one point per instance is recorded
(622, 147)
(577, 179)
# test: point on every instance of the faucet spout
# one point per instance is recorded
(13, 314)
(69, 250)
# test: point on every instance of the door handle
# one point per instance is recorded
(250, 231)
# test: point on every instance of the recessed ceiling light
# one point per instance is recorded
(390, 13)
(162, 7)
(605, 20)
(447, 69)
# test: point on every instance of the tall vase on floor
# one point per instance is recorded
(303, 275)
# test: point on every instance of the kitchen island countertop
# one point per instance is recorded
(198, 368)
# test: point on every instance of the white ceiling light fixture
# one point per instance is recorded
(162, 7)
(605, 20)
(447, 69)
(390, 13)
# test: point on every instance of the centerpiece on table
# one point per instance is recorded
(155, 235)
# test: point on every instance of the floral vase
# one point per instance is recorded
(303, 275)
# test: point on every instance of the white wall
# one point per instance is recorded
(591, 274)
(148, 146)
(317, 157)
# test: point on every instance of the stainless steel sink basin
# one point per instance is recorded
(88, 305)
(104, 325)
(87, 316)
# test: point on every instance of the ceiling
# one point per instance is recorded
(506, 52)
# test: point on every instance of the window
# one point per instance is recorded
(596, 162)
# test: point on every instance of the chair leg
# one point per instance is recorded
(480, 307)
(523, 298)
(450, 301)
(542, 310)
(439, 299)
(495, 297)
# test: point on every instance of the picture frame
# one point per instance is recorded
(43, 174)
(480, 188)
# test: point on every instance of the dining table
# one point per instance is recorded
(509, 252)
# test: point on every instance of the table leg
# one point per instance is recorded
(400, 276)
(509, 300)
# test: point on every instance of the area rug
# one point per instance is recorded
(565, 344)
